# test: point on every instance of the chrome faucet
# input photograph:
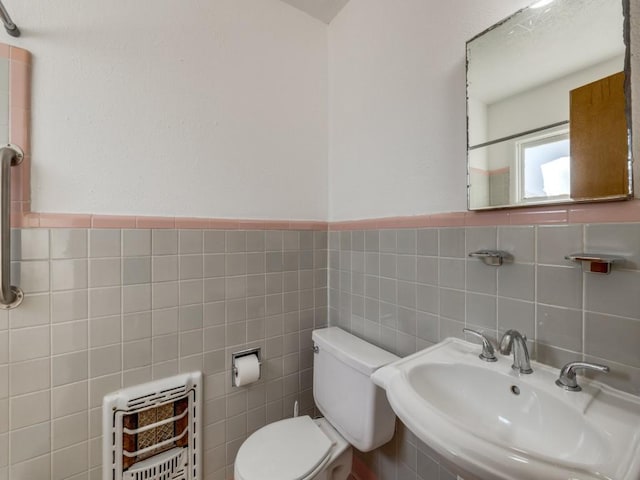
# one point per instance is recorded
(567, 378)
(513, 340)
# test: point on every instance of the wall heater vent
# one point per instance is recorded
(152, 431)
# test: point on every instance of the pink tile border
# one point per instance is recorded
(224, 224)
(155, 222)
(194, 223)
(538, 216)
(453, 219)
(277, 225)
(417, 221)
(605, 212)
(370, 224)
(614, 212)
(112, 221)
(20, 118)
(19, 85)
(25, 220)
(63, 220)
(22, 217)
(478, 219)
(19, 55)
(308, 225)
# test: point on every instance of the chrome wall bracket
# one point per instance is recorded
(494, 258)
(595, 262)
(11, 28)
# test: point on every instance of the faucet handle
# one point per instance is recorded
(488, 353)
(567, 378)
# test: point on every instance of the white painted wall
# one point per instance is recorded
(219, 107)
(213, 108)
(397, 104)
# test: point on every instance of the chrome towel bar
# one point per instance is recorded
(10, 296)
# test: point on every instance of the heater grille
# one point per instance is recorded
(153, 398)
(152, 431)
(169, 465)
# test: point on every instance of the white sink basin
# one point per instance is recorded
(467, 411)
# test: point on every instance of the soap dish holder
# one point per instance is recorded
(494, 258)
(595, 262)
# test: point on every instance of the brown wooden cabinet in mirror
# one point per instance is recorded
(598, 139)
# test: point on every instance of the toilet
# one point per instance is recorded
(356, 413)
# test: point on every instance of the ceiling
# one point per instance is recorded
(324, 10)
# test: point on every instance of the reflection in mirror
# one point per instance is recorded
(546, 105)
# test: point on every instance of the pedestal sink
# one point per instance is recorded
(497, 424)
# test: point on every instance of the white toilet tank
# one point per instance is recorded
(344, 392)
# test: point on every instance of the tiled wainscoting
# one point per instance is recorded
(106, 308)
(406, 289)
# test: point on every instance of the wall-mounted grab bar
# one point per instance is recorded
(10, 296)
(11, 28)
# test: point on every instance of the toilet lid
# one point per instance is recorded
(285, 450)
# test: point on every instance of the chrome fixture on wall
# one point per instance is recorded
(10, 296)
(11, 28)
(495, 258)
(595, 262)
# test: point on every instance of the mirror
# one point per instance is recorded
(548, 106)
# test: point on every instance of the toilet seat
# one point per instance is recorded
(291, 449)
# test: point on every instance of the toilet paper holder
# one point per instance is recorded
(234, 356)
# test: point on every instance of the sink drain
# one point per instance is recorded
(515, 390)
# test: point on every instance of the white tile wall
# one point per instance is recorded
(407, 289)
(110, 308)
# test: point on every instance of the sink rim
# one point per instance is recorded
(477, 454)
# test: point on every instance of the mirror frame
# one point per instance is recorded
(626, 27)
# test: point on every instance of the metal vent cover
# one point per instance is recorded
(152, 431)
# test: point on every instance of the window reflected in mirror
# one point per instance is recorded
(544, 167)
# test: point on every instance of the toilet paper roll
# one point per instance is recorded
(247, 370)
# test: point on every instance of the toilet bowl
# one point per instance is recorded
(296, 448)
(356, 412)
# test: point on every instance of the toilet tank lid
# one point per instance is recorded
(353, 351)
